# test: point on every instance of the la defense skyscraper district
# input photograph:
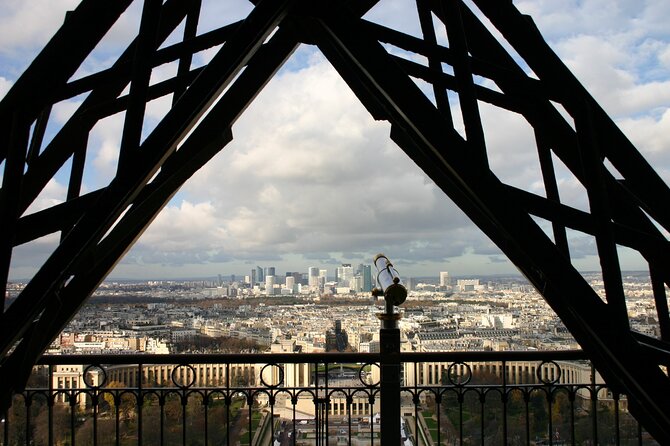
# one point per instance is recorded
(358, 279)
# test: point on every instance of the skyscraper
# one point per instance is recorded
(270, 271)
(269, 285)
(445, 281)
(298, 277)
(253, 278)
(356, 283)
(259, 274)
(366, 272)
(344, 274)
(313, 276)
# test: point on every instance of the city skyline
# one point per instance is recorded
(430, 278)
(310, 176)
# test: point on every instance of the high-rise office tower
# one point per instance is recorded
(297, 276)
(323, 277)
(290, 282)
(269, 285)
(259, 274)
(366, 272)
(313, 276)
(252, 278)
(270, 271)
(445, 281)
(356, 283)
(344, 274)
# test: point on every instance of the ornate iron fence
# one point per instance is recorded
(524, 398)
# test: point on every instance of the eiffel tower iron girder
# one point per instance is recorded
(98, 227)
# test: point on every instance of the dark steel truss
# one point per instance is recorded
(627, 199)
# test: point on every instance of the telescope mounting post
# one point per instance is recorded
(389, 348)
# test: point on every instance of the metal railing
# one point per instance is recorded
(515, 398)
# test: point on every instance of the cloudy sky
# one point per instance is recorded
(312, 180)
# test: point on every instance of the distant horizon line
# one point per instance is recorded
(215, 277)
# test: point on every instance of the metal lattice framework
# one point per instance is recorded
(627, 199)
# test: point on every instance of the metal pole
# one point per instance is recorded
(389, 340)
(389, 348)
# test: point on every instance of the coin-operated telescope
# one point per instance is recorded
(389, 286)
(394, 293)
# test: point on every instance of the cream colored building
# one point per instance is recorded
(516, 372)
(68, 377)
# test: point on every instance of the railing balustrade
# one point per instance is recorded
(451, 398)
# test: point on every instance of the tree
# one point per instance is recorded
(539, 420)
(560, 413)
(127, 402)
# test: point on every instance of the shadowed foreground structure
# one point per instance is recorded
(627, 199)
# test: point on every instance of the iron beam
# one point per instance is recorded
(514, 232)
(60, 149)
(522, 33)
(61, 57)
(155, 149)
(205, 141)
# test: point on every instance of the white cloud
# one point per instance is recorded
(617, 49)
(103, 152)
(105, 160)
(310, 171)
(189, 225)
(396, 14)
(28, 25)
(5, 85)
(558, 20)
(650, 135)
(606, 68)
(26, 256)
(654, 17)
(664, 57)
(53, 193)
(510, 141)
(310, 175)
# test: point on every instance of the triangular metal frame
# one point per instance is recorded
(98, 227)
